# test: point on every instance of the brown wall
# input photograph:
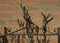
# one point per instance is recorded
(10, 11)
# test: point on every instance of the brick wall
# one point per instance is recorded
(10, 11)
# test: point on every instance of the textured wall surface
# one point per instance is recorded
(10, 11)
